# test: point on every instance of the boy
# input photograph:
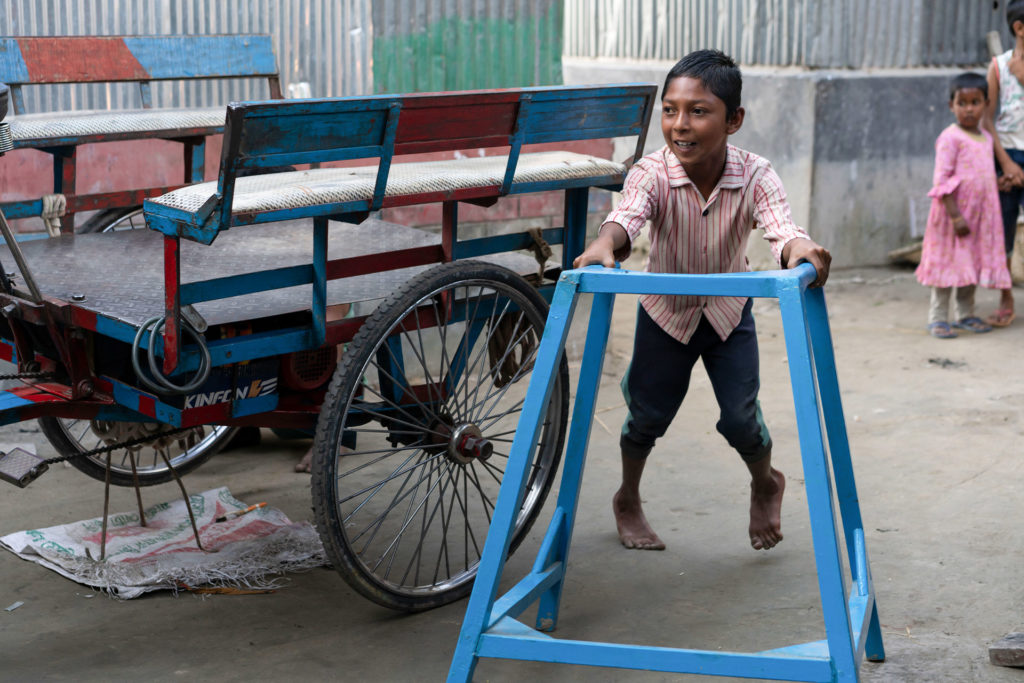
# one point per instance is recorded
(1005, 74)
(703, 198)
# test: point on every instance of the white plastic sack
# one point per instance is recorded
(251, 549)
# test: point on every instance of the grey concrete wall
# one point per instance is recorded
(853, 147)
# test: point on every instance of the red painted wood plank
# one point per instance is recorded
(80, 59)
(147, 405)
(41, 393)
(391, 260)
(83, 318)
(108, 200)
(455, 195)
(461, 99)
(172, 280)
(212, 414)
(480, 120)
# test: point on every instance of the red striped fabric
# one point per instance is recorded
(689, 236)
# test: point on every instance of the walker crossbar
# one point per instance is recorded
(490, 628)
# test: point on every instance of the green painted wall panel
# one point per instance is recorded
(462, 53)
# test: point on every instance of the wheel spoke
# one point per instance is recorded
(484, 352)
(422, 502)
(397, 473)
(468, 362)
(527, 362)
(488, 504)
(406, 389)
(379, 519)
(397, 406)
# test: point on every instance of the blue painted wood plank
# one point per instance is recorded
(23, 209)
(546, 649)
(12, 64)
(210, 56)
(132, 398)
(500, 243)
(246, 283)
(756, 283)
(524, 593)
(255, 405)
(318, 306)
(9, 401)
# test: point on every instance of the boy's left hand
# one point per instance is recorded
(802, 249)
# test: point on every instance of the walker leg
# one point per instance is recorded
(832, 409)
(510, 496)
(839, 449)
(834, 597)
(575, 451)
(874, 650)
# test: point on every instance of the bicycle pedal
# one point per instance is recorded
(21, 468)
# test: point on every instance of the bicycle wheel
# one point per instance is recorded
(416, 429)
(185, 451)
(70, 437)
(113, 220)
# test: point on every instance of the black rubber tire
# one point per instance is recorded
(485, 395)
(70, 437)
(110, 220)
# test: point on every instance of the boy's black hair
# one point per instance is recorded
(1014, 12)
(716, 71)
(968, 80)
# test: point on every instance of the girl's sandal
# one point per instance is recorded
(974, 324)
(941, 331)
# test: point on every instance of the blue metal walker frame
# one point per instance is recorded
(490, 628)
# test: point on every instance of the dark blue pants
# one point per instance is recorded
(1009, 202)
(659, 376)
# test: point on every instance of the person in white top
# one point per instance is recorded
(1006, 96)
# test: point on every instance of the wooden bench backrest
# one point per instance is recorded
(273, 134)
(111, 59)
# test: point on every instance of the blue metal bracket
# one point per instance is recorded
(490, 628)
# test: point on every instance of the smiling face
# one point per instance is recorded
(968, 106)
(696, 127)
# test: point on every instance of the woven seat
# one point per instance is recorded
(298, 189)
(36, 129)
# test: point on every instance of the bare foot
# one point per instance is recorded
(634, 531)
(306, 464)
(766, 512)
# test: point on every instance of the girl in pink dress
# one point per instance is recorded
(963, 241)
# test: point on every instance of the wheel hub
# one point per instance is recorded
(467, 444)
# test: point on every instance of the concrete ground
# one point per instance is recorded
(935, 432)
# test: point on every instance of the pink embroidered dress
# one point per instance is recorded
(965, 168)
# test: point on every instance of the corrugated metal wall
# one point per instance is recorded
(810, 33)
(431, 45)
(341, 47)
(324, 42)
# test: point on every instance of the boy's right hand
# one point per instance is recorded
(601, 252)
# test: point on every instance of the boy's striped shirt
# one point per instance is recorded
(689, 236)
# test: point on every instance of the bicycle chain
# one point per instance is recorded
(113, 447)
(29, 375)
